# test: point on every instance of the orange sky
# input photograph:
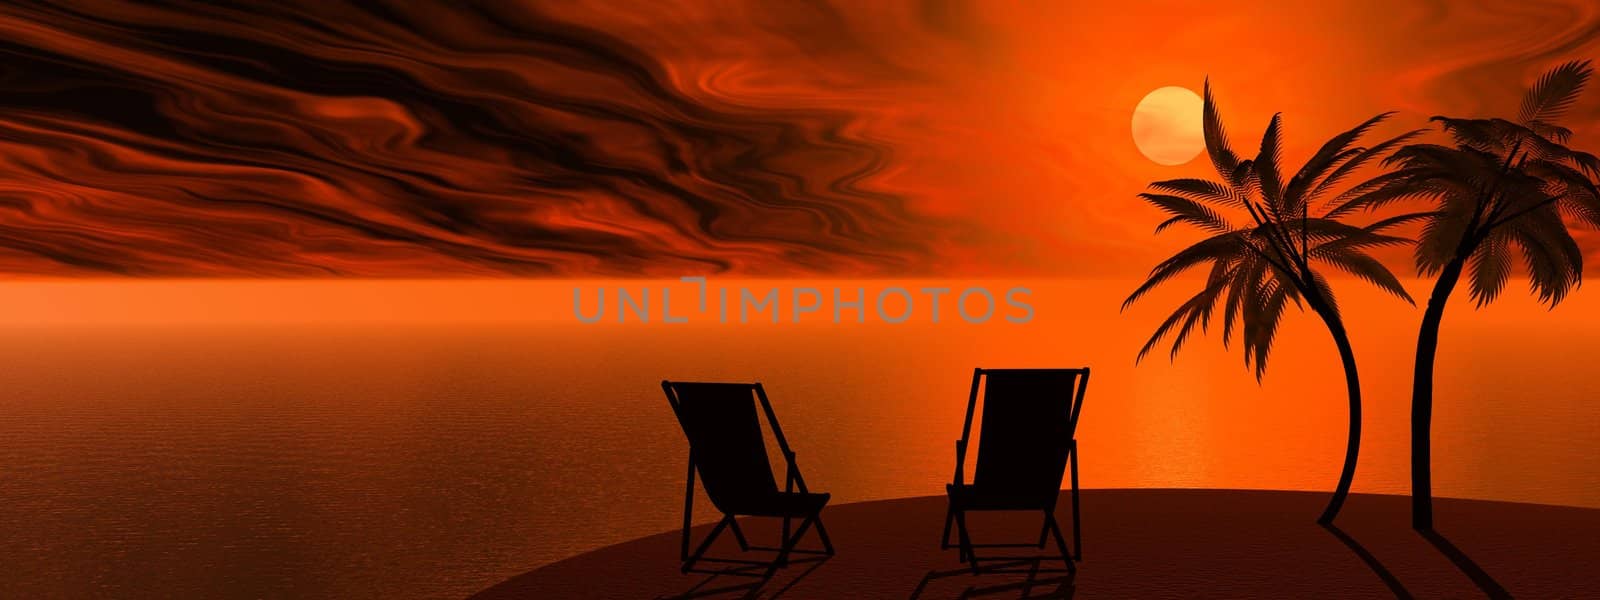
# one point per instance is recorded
(663, 139)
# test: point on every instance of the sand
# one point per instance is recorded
(1138, 544)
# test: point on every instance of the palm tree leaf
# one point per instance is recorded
(1244, 177)
(1553, 259)
(1167, 325)
(1554, 92)
(1499, 136)
(1319, 286)
(1394, 186)
(1460, 161)
(1262, 329)
(1354, 236)
(1206, 300)
(1491, 268)
(1189, 211)
(1200, 189)
(1361, 265)
(1578, 194)
(1441, 236)
(1519, 193)
(1363, 158)
(1224, 247)
(1245, 277)
(1360, 242)
(1196, 309)
(1266, 166)
(1332, 152)
(1396, 221)
(1550, 131)
(1585, 161)
(1479, 134)
(1216, 136)
(1261, 240)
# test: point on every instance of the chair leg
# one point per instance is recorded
(688, 511)
(822, 534)
(683, 550)
(738, 534)
(706, 545)
(785, 536)
(1061, 543)
(788, 544)
(966, 541)
(949, 518)
(1077, 531)
(1044, 530)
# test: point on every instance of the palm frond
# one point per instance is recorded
(1216, 136)
(1394, 186)
(1266, 166)
(1328, 231)
(1441, 236)
(1366, 156)
(1167, 325)
(1200, 189)
(1554, 92)
(1356, 244)
(1319, 286)
(1553, 259)
(1224, 247)
(1332, 153)
(1579, 196)
(1200, 314)
(1550, 131)
(1396, 221)
(1245, 277)
(1586, 161)
(1355, 262)
(1499, 136)
(1261, 328)
(1184, 210)
(1490, 269)
(1196, 310)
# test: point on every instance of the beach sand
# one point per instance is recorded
(1148, 543)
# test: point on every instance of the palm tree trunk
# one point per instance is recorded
(1352, 382)
(1422, 396)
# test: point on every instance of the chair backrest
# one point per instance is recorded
(1029, 418)
(725, 441)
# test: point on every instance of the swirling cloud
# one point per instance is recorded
(419, 139)
(412, 139)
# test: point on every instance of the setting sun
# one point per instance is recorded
(1166, 125)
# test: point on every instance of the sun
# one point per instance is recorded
(1166, 126)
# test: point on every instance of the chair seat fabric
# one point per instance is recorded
(973, 497)
(781, 504)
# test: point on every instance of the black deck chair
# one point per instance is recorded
(727, 450)
(1029, 418)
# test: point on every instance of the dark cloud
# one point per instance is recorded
(411, 139)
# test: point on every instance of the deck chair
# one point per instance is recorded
(727, 450)
(1029, 418)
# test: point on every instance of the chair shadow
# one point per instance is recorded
(1063, 583)
(750, 589)
(1366, 556)
(1473, 571)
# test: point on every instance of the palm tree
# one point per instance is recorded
(1272, 257)
(1501, 189)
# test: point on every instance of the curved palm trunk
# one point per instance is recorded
(1352, 382)
(1422, 397)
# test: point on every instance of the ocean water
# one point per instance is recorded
(432, 460)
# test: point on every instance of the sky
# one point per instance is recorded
(649, 139)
